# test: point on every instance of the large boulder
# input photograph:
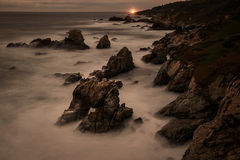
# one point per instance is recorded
(104, 43)
(219, 139)
(122, 62)
(103, 98)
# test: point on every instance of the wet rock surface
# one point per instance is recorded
(74, 41)
(104, 43)
(102, 97)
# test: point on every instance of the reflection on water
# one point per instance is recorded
(32, 98)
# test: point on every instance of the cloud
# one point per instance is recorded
(78, 5)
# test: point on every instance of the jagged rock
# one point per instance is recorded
(75, 40)
(98, 74)
(180, 131)
(162, 77)
(219, 139)
(191, 105)
(103, 98)
(122, 62)
(176, 74)
(181, 80)
(70, 78)
(104, 43)
(114, 18)
(154, 58)
(105, 119)
(171, 43)
(17, 45)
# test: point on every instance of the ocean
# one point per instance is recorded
(32, 98)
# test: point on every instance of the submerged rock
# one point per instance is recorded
(104, 43)
(40, 53)
(114, 18)
(103, 98)
(70, 78)
(17, 45)
(138, 120)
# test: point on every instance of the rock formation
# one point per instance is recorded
(104, 43)
(121, 63)
(74, 41)
(97, 104)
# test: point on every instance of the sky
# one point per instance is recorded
(79, 5)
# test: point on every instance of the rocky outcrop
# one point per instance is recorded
(97, 103)
(170, 44)
(104, 43)
(180, 131)
(219, 139)
(176, 74)
(70, 78)
(74, 41)
(121, 63)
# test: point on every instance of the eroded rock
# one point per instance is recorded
(103, 98)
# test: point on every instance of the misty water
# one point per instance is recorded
(32, 98)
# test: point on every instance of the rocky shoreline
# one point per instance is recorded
(198, 59)
(208, 110)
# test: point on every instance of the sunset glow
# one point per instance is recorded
(132, 11)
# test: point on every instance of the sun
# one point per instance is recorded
(132, 11)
